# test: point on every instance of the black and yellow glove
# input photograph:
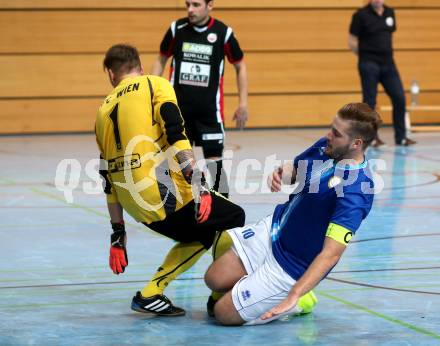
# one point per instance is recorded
(118, 253)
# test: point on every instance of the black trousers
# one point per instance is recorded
(183, 227)
(373, 73)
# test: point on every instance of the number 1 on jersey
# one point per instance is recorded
(114, 118)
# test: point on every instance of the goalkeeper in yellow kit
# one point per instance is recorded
(149, 171)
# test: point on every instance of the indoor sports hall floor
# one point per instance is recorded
(56, 288)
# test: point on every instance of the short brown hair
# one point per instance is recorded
(122, 58)
(364, 120)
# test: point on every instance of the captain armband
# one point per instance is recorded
(341, 234)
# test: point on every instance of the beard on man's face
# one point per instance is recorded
(337, 153)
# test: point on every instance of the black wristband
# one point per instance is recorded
(117, 239)
(196, 177)
(106, 185)
(118, 226)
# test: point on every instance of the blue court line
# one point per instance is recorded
(73, 205)
(7, 180)
(397, 237)
(69, 278)
(94, 302)
(336, 290)
(93, 211)
(56, 275)
(380, 315)
(194, 282)
(387, 275)
(93, 283)
(54, 271)
(381, 270)
(362, 253)
(404, 187)
(26, 226)
(381, 287)
(47, 305)
(72, 291)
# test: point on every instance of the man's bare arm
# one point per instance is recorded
(159, 65)
(185, 159)
(285, 174)
(115, 211)
(321, 265)
(241, 113)
(353, 43)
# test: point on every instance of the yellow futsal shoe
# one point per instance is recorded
(307, 302)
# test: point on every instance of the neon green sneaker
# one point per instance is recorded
(307, 302)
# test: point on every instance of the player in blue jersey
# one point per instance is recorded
(275, 263)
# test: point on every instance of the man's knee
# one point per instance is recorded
(211, 279)
(215, 278)
(222, 275)
(226, 313)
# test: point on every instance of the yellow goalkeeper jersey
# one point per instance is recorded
(135, 140)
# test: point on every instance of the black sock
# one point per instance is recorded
(218, 174)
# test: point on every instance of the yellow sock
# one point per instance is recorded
(179, 259)
(216, 295)
(222, 243)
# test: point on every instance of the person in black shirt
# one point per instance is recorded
(370, 38)
(198, 45)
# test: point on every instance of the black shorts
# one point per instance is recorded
(182, 226)
(206, 131)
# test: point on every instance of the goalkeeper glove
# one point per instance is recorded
(202, 196)
(118, 253)
(203, 206)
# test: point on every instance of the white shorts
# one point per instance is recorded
(266, 283)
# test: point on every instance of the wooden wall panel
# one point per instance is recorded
(41, 115)
(417, 29)
(417, 116)
(81, 31)
(316, 110)
(89, 4)
(51, 55)
(66, 115)
(55, 75)
(103, 4)
(332, 72)
(311, 4)
(232, 4)
(70, 115)
(293, 30)
(412, 3)
(289, 110)
(299, 72)
(296, 30)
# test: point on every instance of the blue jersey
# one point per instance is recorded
(329, 196)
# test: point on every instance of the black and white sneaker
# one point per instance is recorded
(159, 305)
